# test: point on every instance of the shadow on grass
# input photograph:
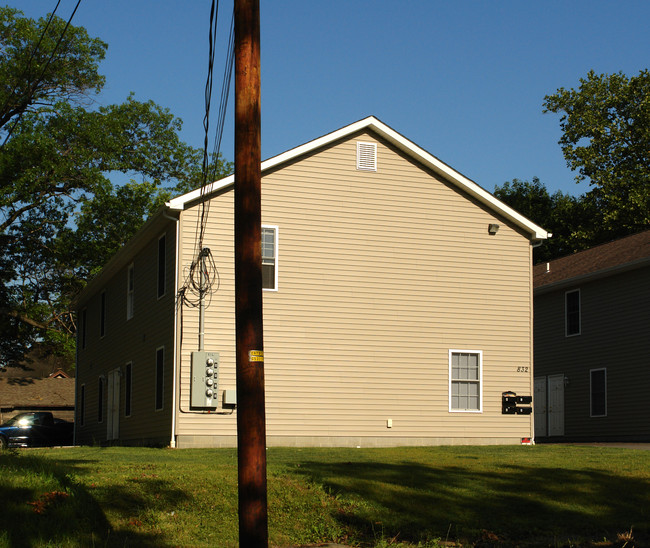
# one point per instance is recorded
(69, 513)
(517, 505)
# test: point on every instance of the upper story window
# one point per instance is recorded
(82, 328)
(270, 257)
(130, 287)
(572, 312)
(102, 314)
(162, 262)
(465, 376)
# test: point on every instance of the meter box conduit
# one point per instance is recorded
(205, 379)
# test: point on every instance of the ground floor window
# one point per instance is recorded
(100, 400)
(127, 389)
(82, 404)
(160, 369)
(598, 390)
(465, 375)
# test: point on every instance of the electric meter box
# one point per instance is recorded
(205, 379)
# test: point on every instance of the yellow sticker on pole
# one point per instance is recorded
(255, 355)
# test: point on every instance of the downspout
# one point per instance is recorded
(172, 441)
(534, 244)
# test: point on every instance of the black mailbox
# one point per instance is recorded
(510, 403)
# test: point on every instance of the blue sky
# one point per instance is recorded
(464, 80)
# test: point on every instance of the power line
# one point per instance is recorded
(193, 288)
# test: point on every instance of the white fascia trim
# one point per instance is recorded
(401, 142)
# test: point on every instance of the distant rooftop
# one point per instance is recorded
(626, 252)
(32, 393)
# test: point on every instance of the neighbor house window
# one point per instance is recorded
(100, 399)
(598, 389)
(127, 389)
(572, 312)
(162, 262)
(130, 287)
(465, 374)
(270, 257)
(160, 370)
(102, 315)
(82, 405)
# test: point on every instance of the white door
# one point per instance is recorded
(113, 405)
(539, 405)
(556, 405)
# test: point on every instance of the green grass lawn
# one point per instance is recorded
(427, 497)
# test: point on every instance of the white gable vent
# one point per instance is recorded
(367, 156)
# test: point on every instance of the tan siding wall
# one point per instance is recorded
(615, 314)
(380, 275)
(136, 341)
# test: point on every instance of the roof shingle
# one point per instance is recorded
(618, 253)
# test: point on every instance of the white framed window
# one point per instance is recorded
(366, 156)
(162, 266)
(270, 257)
(598, 392)
(572, 313)
(130, 289)
(160, 375)
(466, 381)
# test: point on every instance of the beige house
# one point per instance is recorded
(397, 308)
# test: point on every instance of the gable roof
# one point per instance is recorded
(171, 209)
(399, 141)
(616, 256)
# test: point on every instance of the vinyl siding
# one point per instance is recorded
(134, 340)
(380, 274)
(615, 314)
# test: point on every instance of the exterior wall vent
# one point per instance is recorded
(366, 156)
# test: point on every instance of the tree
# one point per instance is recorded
(563, 215)
(606, 138)
(61, 216)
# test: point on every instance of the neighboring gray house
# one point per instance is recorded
(397, 308)
(592, 343)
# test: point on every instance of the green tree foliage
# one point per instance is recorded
(563, 215)
(61, 216)
(606, 139)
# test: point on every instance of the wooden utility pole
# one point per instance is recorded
(251, 416)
